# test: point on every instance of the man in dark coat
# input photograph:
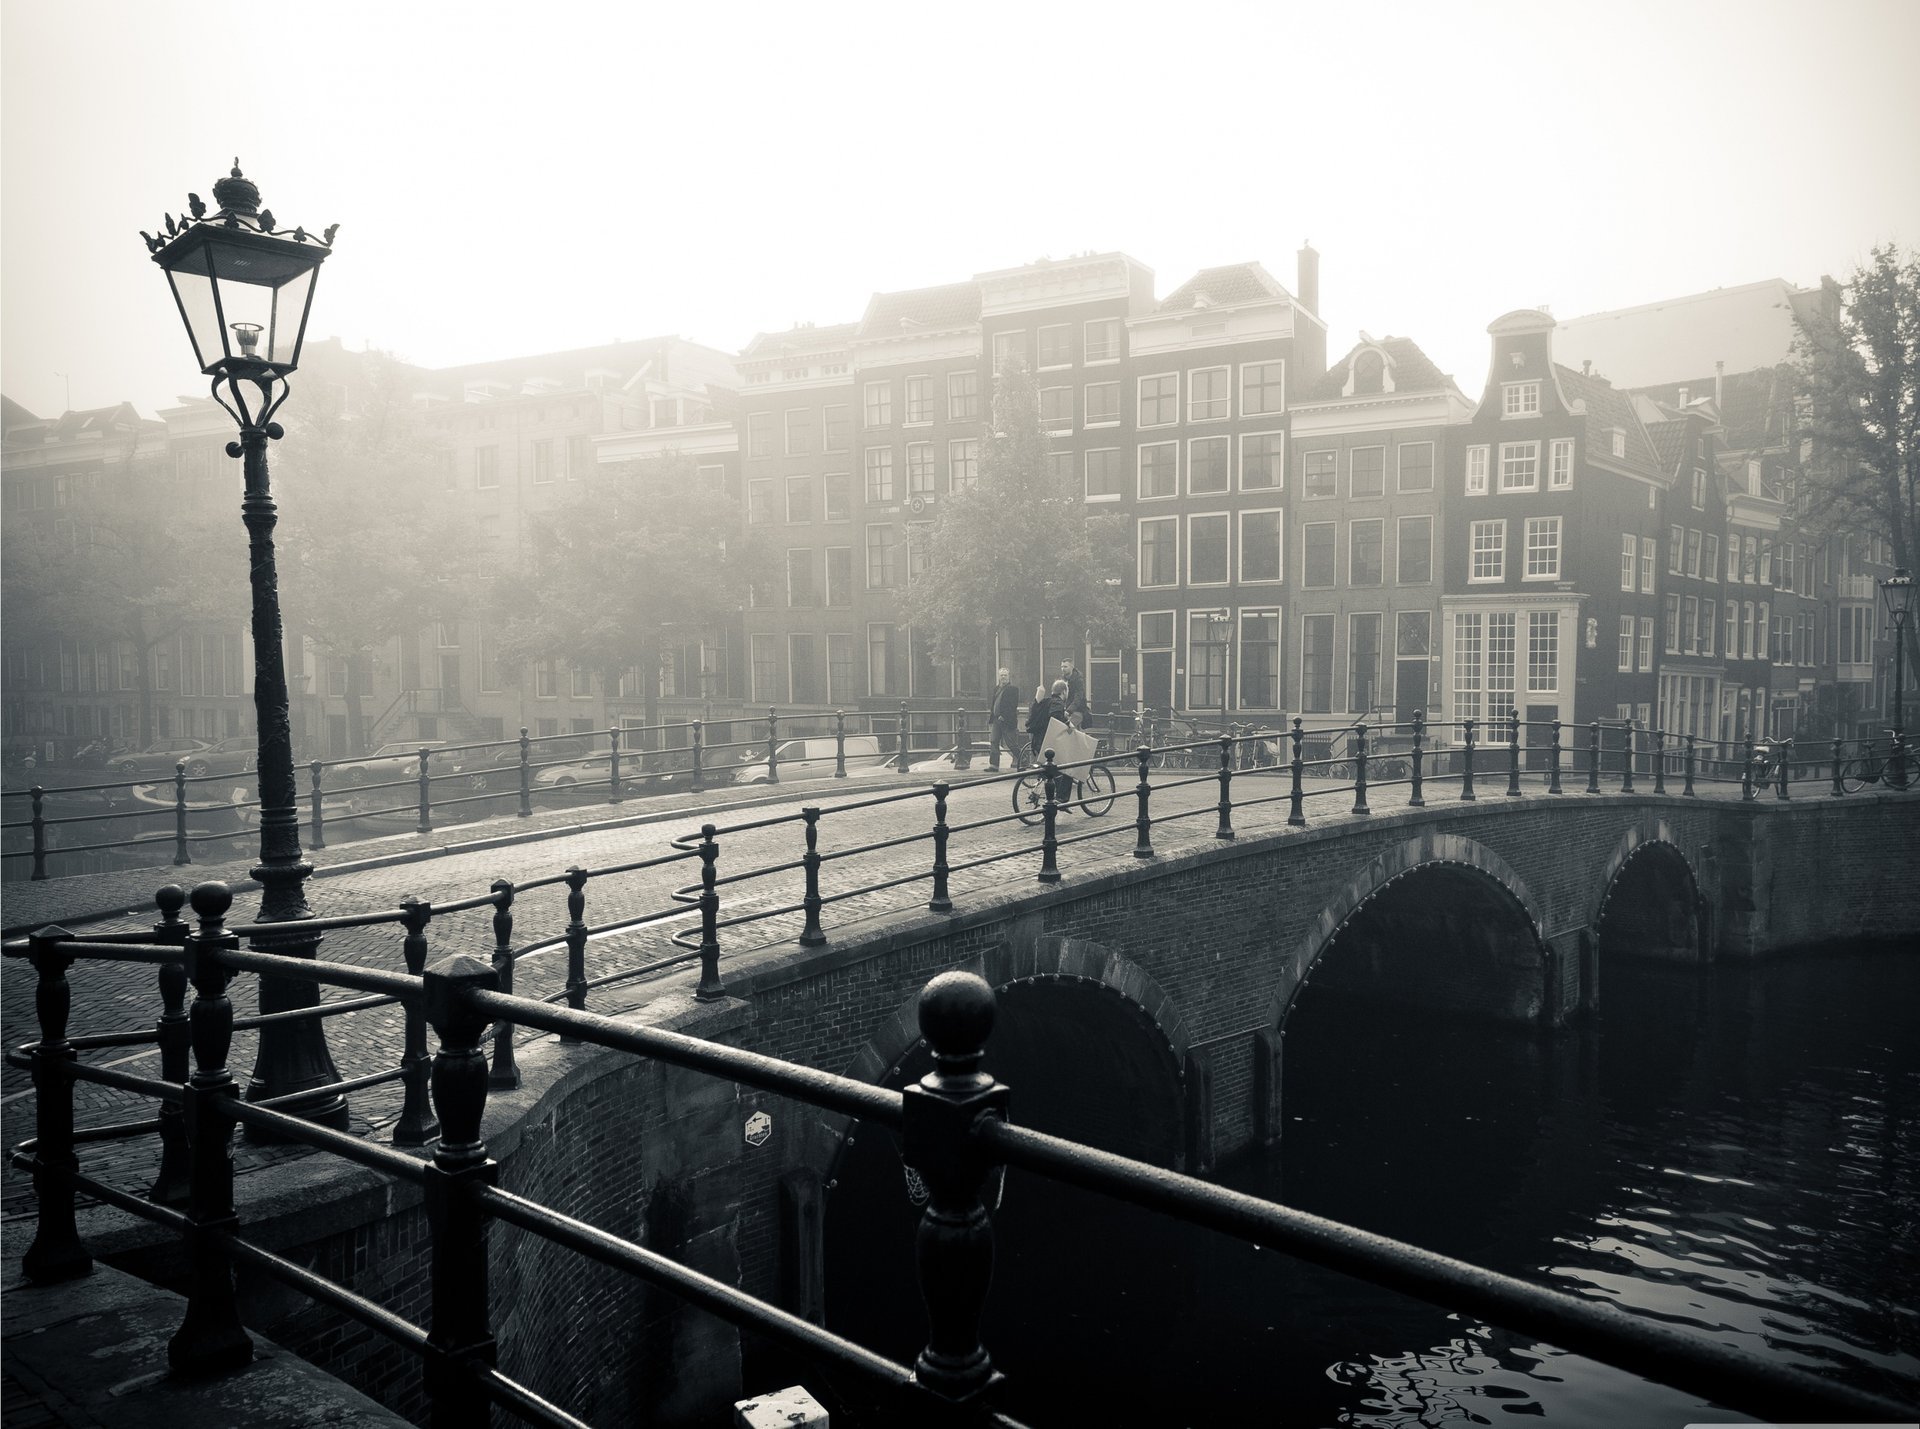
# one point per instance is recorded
(1003, 718)
(1048, 707)
(1077, 712)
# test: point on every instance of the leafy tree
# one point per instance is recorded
(366, 553)
(1858, 371)
(611, 577)
(1017, 547)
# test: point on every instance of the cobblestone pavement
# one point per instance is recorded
(110, 997)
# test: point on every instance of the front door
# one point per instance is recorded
(1538, 735)
(450, 677)
(1156, 679)
(1413, 644)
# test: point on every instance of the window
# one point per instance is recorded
(1056, 407)
(879, 404)
(1619, 442)
(1626, 644)
(1009, 347)
(837, 488)
(1209, 395)
(760, 501)
(1363, 551)
(1646, 642)
(1710, 558)
(963, 462)
(1647, 544)
(542, 462)
(1690, 624)
(1708, 625)
(963, 396)
(1259, 662)
(839, 575)
(1732, 646)
(883, 556)
(1100, 340)
(800, 431)
(1699, 488)
(838, 430)
(1766, 562)
(1519, 399)
(1367, 472)
(1501, 635)
(1209, 465)
(760, 434)
(1207, 562)
(1673, 624)
(1159, 470)
(1414, 547)
(1262, 388)
(920, 469)
(486, 468)
(840, 670)
(1363, 661)
(1519, 466)
(1160, 400)
(545, 685)
(1316, 664)
(919, 400)
(1489, 547)
(1103, 404)
(879, 474)
(1693, 553)
(1262, 461)
(1543, 548)
(1103, 474)
(1260, 533)
(1060, 467)
(1160, 552)
(919, 549)
(1467, 644)
(1733, 558)
(799, 498)
(1560, 465)
(1760, 631)
(1056, 345)
(1317, 554)
(1477, 471)
(1416, 466)
(1543, 651)
(1676, 550)
(1629, 549)
(800, 578)
(803, 675)
(1320, 477)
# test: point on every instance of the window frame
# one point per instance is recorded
(1280, 469)
(1140, 548)
(1510, 451)
(1400, 467)
(1226, 564)
(1542, 524)
(1279, 386)
(1223, 440)
(1224, 400)
(1400, 545)
(1496, 525)
(1140, 471)
(1379, 524)
(1159, 399)
(1280, 545)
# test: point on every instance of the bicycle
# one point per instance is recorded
(1897, 770)
(1094, 794)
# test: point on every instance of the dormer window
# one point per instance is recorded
(1520, 399)
(1369, 373)
(1619, 441)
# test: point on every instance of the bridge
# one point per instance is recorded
(1145, 972)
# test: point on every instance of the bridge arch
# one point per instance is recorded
(1649, 900)
(1441, 892)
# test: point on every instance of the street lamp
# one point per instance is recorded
(1220, 631)
(243, 289)
(1897, 591)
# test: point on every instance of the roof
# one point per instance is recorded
(1608, 407)
(617, 356)
(1746, 328)
(1669, 440)
(802, 337)
(1413, 370)
(1225, 287)
(922, 309)
(24, 429)
(1756, 408)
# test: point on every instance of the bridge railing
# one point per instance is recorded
(953, 1125)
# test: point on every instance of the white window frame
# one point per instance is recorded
(1399, 468)
(1496, 526)
(1086, 405)
(1280, 535)
(1379, 521)
(1140, 553)
(1307, 493)
(1477, 465)
(1140, 471)
(885, 388)
(1399, 543)
(1541, 524)
(1560, 464)
(1352, 495)
(1139, 397)
(1646, 644)
(1039, 347)
(1649, 553)
(906, 399)
(1538, 619)
(1519, 399)
(1513, 451)
(1240, 464)
(955, 481)
(953, 396)
(1087, 359)
(1086, 492)
(786, 429)
(1333, 581)
(1227, 578)
(1223, 439)
(1056, 424)
(1241, 387)
(1193, 399)
(1623, 659)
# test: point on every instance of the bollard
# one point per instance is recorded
(1049, 816)
(1746, 773)
(1417, 800)
(1593, 758)
(1360, 770)
(576, 943)
(1626, 763)
(180, 854)
(940, 902)
(1659, 761)
(416, 1126)
(39, 833)
(1553, 762)
(905, 738)
(1513, 753)
(56, 1252)
(710, 989)
(1786, 765)
(1296, 800)
(425, 826)
(1143, 821)
(318, 838)
(174, 1035)
(811, 936)
(954, 1245)
(211, 1339)
(1466, 759)
(459, 1332)
(962, 754)
(1839, 790)
(505, 1075)
(773, 754)
(1687, 791)
(615, 793)
(1225, 830)
(526, 774)
(839, 744)
(699, 737)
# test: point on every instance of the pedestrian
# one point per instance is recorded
(1003, 719)
(1047, 707)
(1076, 711)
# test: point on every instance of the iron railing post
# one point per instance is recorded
(954, 1247)
(1513, 753)
(1143, 821)
(174, 1035)
(1839, 754)
(962, 756)
(1746, 772)
(906, 757)
(711, 989)
(699, 741)
(526, 774)
(1466, 760)
(773, 753)
(39, 833)
(416, 1126)
(1360, 770)
(576, 943)
(614, 794)
(1225, 829)
(812, 936)
(460, 1333)
(211, 1339)
(1786, 764)
(1626, 764)
(318, 818)
(940, 902)
(1296, 799)
(839, 744)
(425, 826)
(1049, 825)
(1659, 761)
(1553, 762)
(180, 853)
(1417, 799)
(56, 1252)
(1593, 758)
(505, 1075)
(1686, 791)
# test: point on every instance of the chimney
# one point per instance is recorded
(1719, 384)
(1307, 289)
(1683, 399)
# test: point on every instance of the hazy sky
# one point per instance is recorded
(523, 178)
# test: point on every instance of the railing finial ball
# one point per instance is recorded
(956, 1015)
(170, 899)
(211, 900)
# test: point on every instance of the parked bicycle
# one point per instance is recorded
(1093, 794)
(1896, 769)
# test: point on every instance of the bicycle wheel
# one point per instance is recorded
(1098, 797)
(1904, 773)
(1857, 774)
(1030, 797)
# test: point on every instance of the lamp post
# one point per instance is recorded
(244, 289)
(1897, 591)
(1220, 629)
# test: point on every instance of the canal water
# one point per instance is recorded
(1734, 1150)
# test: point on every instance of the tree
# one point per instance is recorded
(1017, 548)
(1858, 374)
(631, 562)
(366, 553)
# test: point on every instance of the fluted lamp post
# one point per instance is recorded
(244, 288)
(1897, 591)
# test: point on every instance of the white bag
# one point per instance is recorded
(1069, 746)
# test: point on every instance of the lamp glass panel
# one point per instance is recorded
(289, 318)
(195, 293)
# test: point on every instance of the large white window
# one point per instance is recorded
(1477, 471)
(879, 475)
(1520, 399)
(1056, 345)
(1489, 551)
(1103, 474)
(1320, 476)
(963, 462)
(1209, 394)
(1647, 545)
(1467, 645)
(1625, 662)
(1159, 400)
(1366, 472)
(1501, 654)
(963, 396)
(1560, 465)
(1159, 470)
(1543, 651)
(1263, 461)
(1646, 642)
(1262, 388)
(879, 404)
(919, 400)
(1207, 555)
(1103, 404)
(1056, 408)
(1543, 548)
(1260, 546)
(1209, 465)
(1629, 552)
(1416, 466)
(1519, 466)
(1100, 340)
(1160, 552)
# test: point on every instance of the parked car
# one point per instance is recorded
(391, 762)
(815, 759)
(230, 756)
(946, 761)
(157, 758)
(585, 771)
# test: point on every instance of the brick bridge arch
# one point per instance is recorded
(1676, 921)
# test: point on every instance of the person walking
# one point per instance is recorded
(1076, 711)
(1003, 716)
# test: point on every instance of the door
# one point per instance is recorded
(449, 677)
(1537, 735)
(1156, 679)
(1413, 645)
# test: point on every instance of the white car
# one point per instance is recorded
(816, 758)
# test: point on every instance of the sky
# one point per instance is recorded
(514, 179)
